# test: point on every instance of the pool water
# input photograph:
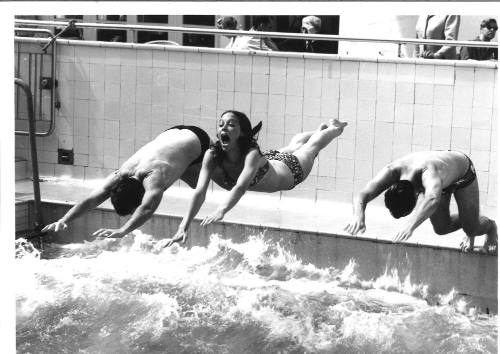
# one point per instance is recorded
(130, 296)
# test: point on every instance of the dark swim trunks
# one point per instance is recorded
(290, 160)
(463, 181)
(202, 137)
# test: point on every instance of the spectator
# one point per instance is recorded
(488, 29)
(260, 23)
(437, 27)
(70, 32)
(310, 25)
(228, 23)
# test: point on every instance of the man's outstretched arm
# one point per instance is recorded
(426, 206)
(95, 198)
(377, 185)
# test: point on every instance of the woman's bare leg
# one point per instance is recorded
(300, 139)
(321, 138)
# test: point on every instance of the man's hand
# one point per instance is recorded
(109, 233)
(355, 226)
(403, 235)
(215, 216)
(55, 226)
(180, 236)
(427, 54)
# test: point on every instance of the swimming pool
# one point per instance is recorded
(250, 296)
(292, 289)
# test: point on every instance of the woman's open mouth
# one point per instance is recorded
(224, 138)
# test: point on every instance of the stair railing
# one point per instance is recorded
(38, 224)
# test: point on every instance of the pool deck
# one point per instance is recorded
(264, 210)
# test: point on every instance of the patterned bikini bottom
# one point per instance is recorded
(290, 160)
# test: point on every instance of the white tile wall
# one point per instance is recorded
(442, 116)
(386, 72)
(440, 139)
(480, 139)
(424, 93)
(424, 73)
(367, 90)
(444, 75)
(295, 67)
(460, 139)
(483, 95)
(405, 72)
(422, 114)
(115, 100)
(403, 113)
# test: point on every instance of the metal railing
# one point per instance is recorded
(52, 76)
(320, 37)
(38, 224)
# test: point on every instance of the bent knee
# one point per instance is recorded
(441, 229)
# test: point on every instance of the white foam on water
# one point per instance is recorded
(129, 295)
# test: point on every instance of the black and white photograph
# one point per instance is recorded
(254, 178)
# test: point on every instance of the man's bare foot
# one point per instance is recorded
(491, 242)
(467, 244)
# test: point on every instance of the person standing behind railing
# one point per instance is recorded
(488, 29)
(260, 23)
(228, 23)
(310, 25)
(437, 27)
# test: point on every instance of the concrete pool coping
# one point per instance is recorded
(288, 214)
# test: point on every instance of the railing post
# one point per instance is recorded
(34, 157)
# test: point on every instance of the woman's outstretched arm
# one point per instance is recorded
(197, 199)
(250, 168)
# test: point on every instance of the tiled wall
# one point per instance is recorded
(22, 217)
(113, 100)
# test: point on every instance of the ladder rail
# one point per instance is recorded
(34, 157)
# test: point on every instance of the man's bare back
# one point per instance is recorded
(137, 187)
(167, 156)
(449, 165)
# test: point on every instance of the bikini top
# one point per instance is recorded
(231, 182)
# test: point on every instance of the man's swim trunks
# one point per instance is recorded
(202, 137)
(290, 160)
(463, 181)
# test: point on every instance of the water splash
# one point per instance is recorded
(131, 296)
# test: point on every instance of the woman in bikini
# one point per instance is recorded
(236, 163)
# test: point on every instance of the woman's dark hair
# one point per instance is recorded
(247, 139)
(400, 198)
(126, 195)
